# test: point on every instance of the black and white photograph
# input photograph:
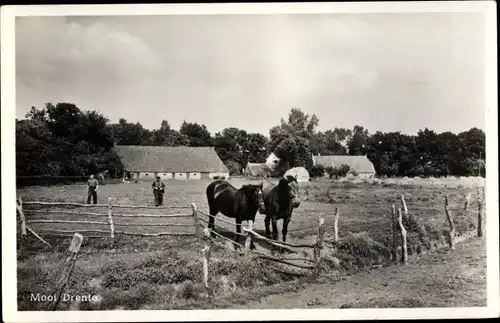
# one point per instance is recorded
(249, 161)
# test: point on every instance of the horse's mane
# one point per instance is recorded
(290, 179)
(247, 191)
(249, 187)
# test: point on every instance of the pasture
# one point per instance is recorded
(132, 272)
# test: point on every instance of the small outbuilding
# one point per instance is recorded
(258, 170)
(300, 173)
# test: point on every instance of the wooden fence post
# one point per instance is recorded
(248, 240)
(479, 214)
(196, 220)
(393, 229)
(467, 201)
(404, 247)
(318, 245)
(110, 218)
(206, 255)
(403, 203)
(68, 266)
(21, 215)
(450, 222)
(336, 226)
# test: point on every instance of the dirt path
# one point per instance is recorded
(444, 279)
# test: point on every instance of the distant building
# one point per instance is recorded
(300, 173)
(272, 160)
(360, 164)
(147, 162)
(258, 170)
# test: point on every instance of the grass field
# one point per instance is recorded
(165, 272)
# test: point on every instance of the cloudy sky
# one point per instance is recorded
(387, 72)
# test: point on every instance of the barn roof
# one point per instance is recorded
(171, 159)
(256, 169)
(361, 164)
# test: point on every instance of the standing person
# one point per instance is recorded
(93, 184)
(158, 190)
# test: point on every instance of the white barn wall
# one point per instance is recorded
(180, 176)
(146, 175)
(194, 175)
(212, 175)
(166, 175)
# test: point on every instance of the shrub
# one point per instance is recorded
(317, 171)
(337, 172)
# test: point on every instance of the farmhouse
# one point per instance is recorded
(258, 170)
(147, 162)
(360, 164)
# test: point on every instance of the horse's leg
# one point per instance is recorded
(252, 245)
(275, 228)
(267, 223)
(284, 231)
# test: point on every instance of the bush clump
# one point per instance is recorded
(337, 172)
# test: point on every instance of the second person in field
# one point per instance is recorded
(158, 191)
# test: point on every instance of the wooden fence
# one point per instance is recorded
(113, 215)
(396, 225)
(199, 217)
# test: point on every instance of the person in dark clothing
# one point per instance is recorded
(93, 184)
(158, 190)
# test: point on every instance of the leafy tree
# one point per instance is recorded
(357, 143)
(236, 148)
(127, 134)
(166, 136)
(63, 140)
(290, 140)
(330, 142)
(198, 135)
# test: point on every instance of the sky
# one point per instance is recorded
(386, 72)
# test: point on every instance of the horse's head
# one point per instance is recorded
(255, 192)
(290, 185)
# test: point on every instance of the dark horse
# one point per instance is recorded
(279, 202)
(241, 204)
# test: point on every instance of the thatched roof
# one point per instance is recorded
(255, 169)
(361, 164)
(171, 159)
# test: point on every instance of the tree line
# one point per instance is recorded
(62, 140)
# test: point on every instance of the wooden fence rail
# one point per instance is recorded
(68, 221)
(214, 217)
(279, 244)
(104, 205)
